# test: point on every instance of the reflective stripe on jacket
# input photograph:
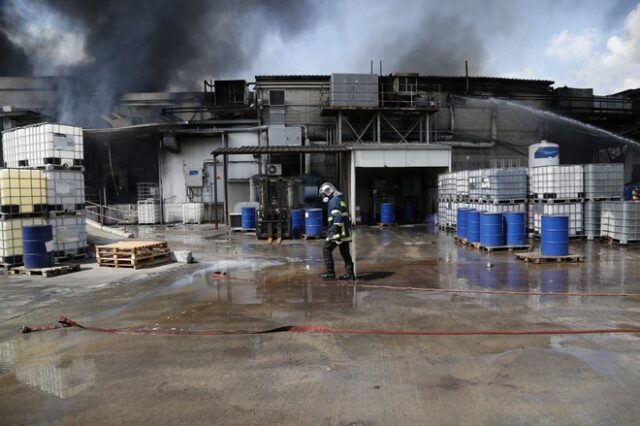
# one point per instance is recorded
(339, 220)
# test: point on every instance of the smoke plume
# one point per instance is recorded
(116, 46)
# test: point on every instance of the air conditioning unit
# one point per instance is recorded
(274, 169)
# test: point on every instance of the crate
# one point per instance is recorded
(43, 144)
(573, 210)
(11, 237)
(132, 254)
(192, 213)
(557, 182)
(22, 191)
(603, 181)
(620, 221)
(65, 191)
(148, 212)
(69, 236)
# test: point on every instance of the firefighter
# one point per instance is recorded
(338, 234)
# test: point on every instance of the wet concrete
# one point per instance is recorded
(78, 377)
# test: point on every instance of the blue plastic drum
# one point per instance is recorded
(297, 223)
(387, 213)
(461, 221)
(313, 222)
(37, 241)
(491, 230)
(473, 226)
(410, 211)
(248, 215)
(554, 236)
(515, 228)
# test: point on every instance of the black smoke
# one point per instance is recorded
(155, 45)
(13, 60)
(442, 46)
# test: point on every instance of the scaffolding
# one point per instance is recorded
(402, 113)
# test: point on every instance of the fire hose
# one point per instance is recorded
(65, 322)
(222, 275)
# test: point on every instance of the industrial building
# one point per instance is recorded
(434, 328)
(379, 137)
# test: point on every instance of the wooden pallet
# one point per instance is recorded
(501, 201)
(312, 237)
(133, 254)
(619, 242)
(539, 258)
(571, 237)
(548, 199)
(46, 272)
(388, 225)
(499, 248)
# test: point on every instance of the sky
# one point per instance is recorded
(138, 45)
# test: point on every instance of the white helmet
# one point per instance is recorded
(326, 191)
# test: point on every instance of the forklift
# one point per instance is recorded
(273, 219)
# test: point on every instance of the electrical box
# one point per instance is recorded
(192, 177)
(285, 136)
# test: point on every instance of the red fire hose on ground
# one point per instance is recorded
(68, 323)
(65, 322)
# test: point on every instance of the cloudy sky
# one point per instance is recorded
(154, 45)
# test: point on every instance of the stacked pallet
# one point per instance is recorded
(557, 190)
(55, 152)
(492, 190)
(133, 254)
(621, 221)
(22, 203)
(602, 183)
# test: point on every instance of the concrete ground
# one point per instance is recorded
(73, 376)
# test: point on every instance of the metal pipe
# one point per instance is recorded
(215, 189)
(466, 73)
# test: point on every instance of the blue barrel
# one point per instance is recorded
(313, 222)
(297, 223)
(461, 222)
(410, 211)
(473, 226)
(248, 218)
(387, 213)
(491, 230)
(554, 236)
(515, 228)
(35, 240)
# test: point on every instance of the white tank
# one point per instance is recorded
(544, 154)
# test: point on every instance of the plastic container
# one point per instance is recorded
(462, 222)
(297, 223)
(313, 222)
(473, 226)
(387, 213)
(515, 229)
(544, 154)
(410, 211)
(148, 212)
(42, 144)
(22, 191)
(65, 190)
(248, 215)
(69, 234)
(38, 246)
(554, 240)
(491, 230)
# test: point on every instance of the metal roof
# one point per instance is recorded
(328, 149)
(487, 78)
(315, 77)
(311, 149)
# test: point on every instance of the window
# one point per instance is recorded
(276, 97)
